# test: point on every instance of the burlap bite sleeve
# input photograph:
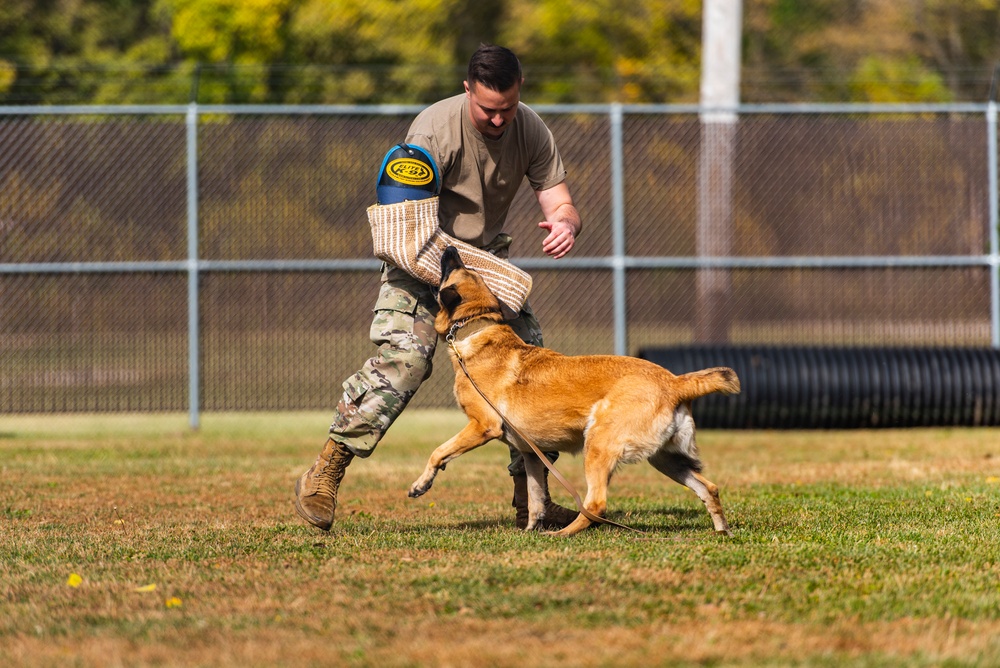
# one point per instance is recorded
(408, 235)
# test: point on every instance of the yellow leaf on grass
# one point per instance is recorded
(149, 587)
(74, 580)
(173, 602)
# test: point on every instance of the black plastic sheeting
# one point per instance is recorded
(845, 387)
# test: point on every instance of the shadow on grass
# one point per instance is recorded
(674, 520)
(650, 523)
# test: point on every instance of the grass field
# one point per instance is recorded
(129, 540)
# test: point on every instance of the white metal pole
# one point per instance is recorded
(618, 244)
(720, 98)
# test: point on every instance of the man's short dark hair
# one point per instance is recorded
(495, 67)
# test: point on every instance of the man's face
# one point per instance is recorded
(492, 111)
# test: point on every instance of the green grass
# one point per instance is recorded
(877, 548)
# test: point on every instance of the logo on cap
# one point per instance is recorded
(410, 172)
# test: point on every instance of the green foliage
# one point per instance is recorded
(890, 80)
(239, 31)
(371, 51)
(928, 50)
(647, 53)
(383, 50)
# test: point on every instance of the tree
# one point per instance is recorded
(62, 51)
(601, 50)
(881, 50)
(370, 51)
(379, 50)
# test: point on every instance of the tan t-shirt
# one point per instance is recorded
(480, 176)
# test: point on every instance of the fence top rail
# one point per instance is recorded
(412, 109)
(598, 262)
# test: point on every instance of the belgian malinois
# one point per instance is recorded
(617, 410)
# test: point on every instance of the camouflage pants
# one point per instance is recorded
(403, 330)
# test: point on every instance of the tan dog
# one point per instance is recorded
(618, 410)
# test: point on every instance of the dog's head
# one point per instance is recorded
(463, 294)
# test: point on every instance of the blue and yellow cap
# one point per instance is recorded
(408, 173)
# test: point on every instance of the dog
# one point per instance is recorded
(617, 410)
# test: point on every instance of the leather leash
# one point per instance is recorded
(450, 338)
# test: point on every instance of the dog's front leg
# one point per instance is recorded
(471, 437)
(535, 470)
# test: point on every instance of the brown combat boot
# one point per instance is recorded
(556, 517)
(316, 490)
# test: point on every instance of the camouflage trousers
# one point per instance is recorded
(403, 330)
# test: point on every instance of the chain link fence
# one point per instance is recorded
(218, 258)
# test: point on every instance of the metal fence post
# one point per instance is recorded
(618, 232)
(194, 326)
(991, 135)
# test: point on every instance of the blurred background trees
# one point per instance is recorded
(391, 51)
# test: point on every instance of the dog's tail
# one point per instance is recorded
(699, 383)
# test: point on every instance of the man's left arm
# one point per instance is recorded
(562, 220)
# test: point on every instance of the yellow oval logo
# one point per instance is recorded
(410, 172)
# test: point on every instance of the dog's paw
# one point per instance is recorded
(420, 487)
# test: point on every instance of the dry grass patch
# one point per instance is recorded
(467, 641)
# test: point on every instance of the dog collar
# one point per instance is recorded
(469, 325)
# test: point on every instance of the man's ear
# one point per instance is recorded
(449, 298)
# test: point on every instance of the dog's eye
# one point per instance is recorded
(449, 297)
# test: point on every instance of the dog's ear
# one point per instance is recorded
(449, 298)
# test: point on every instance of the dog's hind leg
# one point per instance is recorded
(473, 435)
(686, 471)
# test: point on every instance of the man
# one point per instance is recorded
(485, 143)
